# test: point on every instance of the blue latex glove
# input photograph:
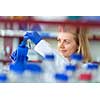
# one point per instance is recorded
(33, 36)
(21, 49)
(20, 60)
(21, 54)
(23, 43)
(20, 57)
(13, 55)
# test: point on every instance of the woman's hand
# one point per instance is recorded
(33, 36)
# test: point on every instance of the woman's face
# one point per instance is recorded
(66, 44)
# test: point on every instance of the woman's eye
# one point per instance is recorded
(58, 40)
(68, 42)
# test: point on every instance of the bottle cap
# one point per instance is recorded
(85, 76)
(49, 56)
(92, 66)
(71, 68)
(17, 67)
(61, 77)
(35, 68)
(77, 57)
(3, 77)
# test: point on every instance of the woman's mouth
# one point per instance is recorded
(63, 51)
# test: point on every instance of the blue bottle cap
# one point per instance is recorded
(17, 67)
(61, 77)
(3, 77)
(35, 68)
(71, 68)
(77, 57)
(92, 66)
(49, 56)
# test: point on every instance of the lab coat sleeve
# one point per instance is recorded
(43, 48)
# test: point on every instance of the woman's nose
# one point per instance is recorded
(61, 45)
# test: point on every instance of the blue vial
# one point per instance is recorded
(71, 71)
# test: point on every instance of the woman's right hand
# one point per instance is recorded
(33, 36)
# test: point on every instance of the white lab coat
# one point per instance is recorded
(44, 47)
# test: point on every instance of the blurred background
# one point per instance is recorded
(12, 29)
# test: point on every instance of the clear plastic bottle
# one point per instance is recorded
(49, 62)
(3, 78)
(83, 74)
(15, 74)
(1, 67)
(3, 73)
(93, 69)
(85, 77)
(76, 59)
(33, 73)
(98, 75)
(70, 71)
(49, 67)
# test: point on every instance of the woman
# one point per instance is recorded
(70, 40)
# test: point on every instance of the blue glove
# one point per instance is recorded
(21, 54)
(33, 36)
(21, 49)
(13, 55)
(23, 43)
(20, 58)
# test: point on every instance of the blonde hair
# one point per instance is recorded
(81, 38)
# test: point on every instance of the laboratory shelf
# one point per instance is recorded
(68, 22)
